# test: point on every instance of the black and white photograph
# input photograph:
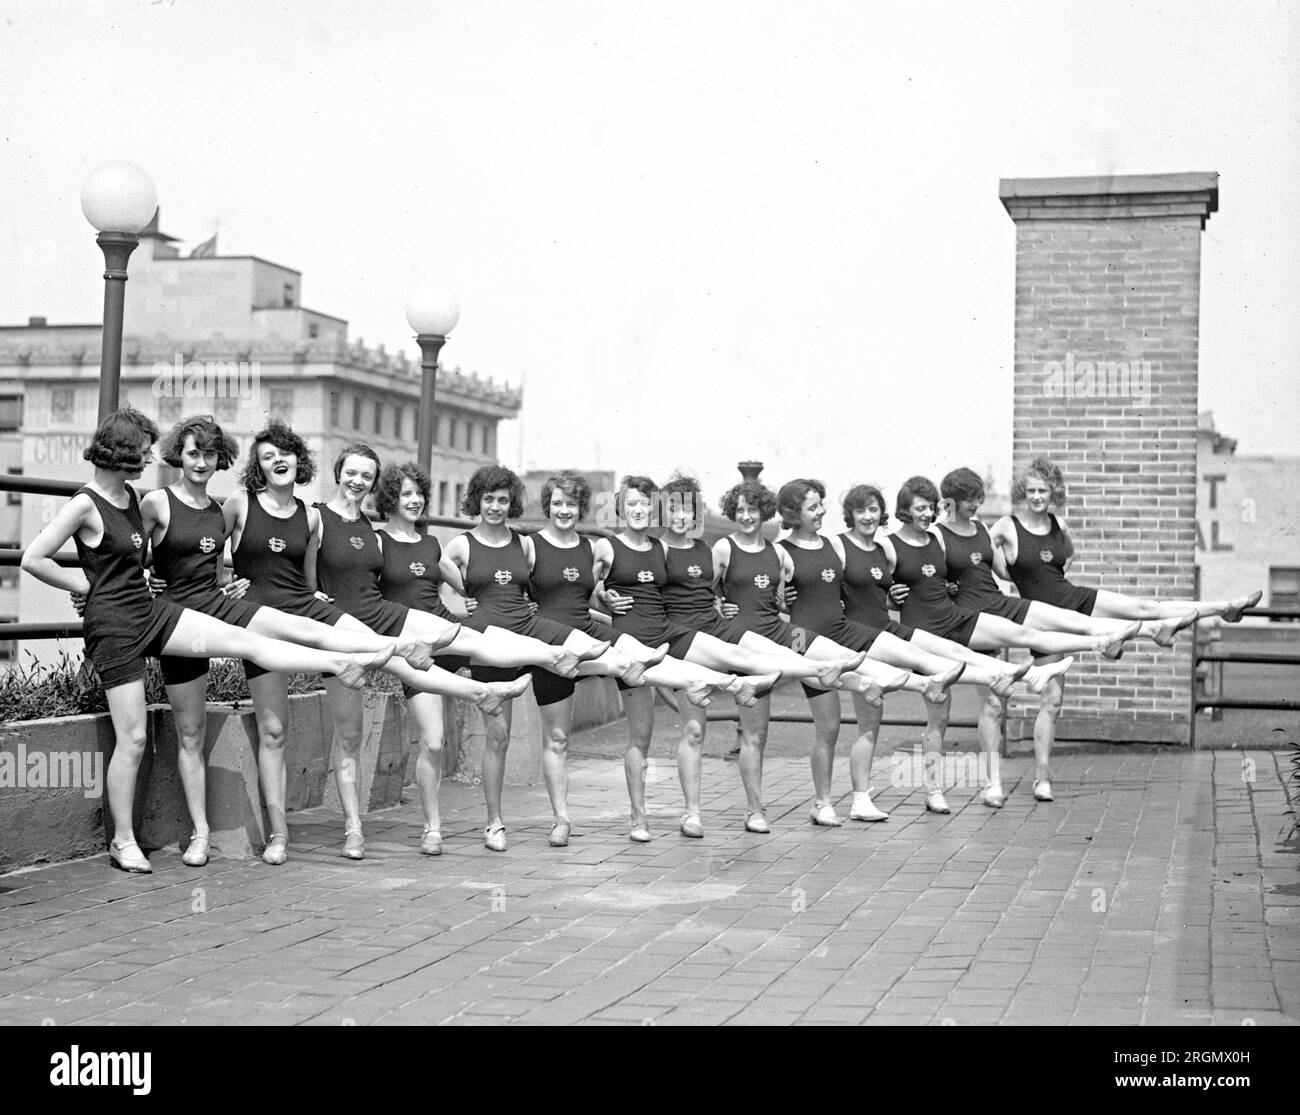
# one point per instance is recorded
(711, 514)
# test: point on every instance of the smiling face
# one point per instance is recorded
(146, 459)
(410, 502)
(967, 508)
(197, 465)
(922, 512)
(1038, 494)
(494, 506)
(867, 519)
(279, 466)
(811, 512)
(563, 509)
(680, 512)
(636, 509)
(748, 519)
(357, 476)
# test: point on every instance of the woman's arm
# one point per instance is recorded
(455, 556)
(1069, 546)
(721, 560)
(38, 559)
(235, 512)
(313, 548)
(155, 513)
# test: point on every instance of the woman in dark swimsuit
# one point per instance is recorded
(1037, 551)
(123, 624)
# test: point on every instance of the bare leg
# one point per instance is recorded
(996, 633)
(708, 650)
(861, 759)
(1049, 710)
(689, 749)
(556, 720)
(190, 712)
(1115, 605)
(990, 733)
(127, 711)
(980, 669)
(496, 732)
(825, 708)
(639, 706)
(936, 715)
(426, 711)
(271, 707)
(345, 753)
(753, 741)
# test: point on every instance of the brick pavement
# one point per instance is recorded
(1154, 890)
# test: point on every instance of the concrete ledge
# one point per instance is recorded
(1100, 729)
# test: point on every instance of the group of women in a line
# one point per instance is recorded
(318, 589)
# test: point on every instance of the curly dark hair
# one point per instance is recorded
(755, 493)
(388, 491)
(1048, 473)
(789, 500)
(681, 492)
(208, 437)
(493, 478)
(357, 449)
(860, 496)
(572, 484)
(281, 435)
(642, 484)
(915, 487)
(115, 444)
(962, 484)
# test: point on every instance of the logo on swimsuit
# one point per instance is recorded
(503, 576)
(207, 545)
(417, 567)
(693, 571)
(645, 576)
(357, 543)
(1046, 555)
(570, 574)
(828, 575)
(976, 557)
(762, 580)
(275, 545)
(136, 540)
(876, 573)
(928, 569)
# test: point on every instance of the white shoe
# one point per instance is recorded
(994, 797)
(935, 802)
(1043, 790)
(823, 813)
(864, 809)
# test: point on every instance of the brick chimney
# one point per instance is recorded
(1106, 345)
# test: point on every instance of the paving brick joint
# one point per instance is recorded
(1156, 889)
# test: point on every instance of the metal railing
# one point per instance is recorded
(1209, 694)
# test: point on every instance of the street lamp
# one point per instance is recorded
(119, 200)
(432, 312)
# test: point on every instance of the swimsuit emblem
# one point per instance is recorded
(136, 540)
(828, 575)
(275, 545)
(503, 576)
(417, 567)
(928, 569)
(207, 545)
(645, 576)
(976, 557)
(1046, 555)
(570, 573)
(762, 580)
(693, 570)
(357, 543)
(876, 573)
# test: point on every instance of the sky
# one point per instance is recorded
(697, 232)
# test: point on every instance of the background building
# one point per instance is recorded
(225, 335)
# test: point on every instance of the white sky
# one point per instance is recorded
(703, 231)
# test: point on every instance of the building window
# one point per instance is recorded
(63, 404)
(451, 438)
(1284, 586)
(490, 440)
(437, 429)
(313, 330)
(288, 295)
(356, 412)
(379, 418)
(9, 573)
(460, 499)
(442, 497)
(485, 439)
(334, 409)
(399, 416)
(11, 412)
(15, 497)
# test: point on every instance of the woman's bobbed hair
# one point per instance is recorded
(789, 500)
(860, 496)
(115, 444)
(572, 484)
(208, 437)
(915, 487)
(388, 491)
(1048, 473)
(492, 478)
(755, 493)
(281, 435)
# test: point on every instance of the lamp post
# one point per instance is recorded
(432, 312)
(118, 199)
